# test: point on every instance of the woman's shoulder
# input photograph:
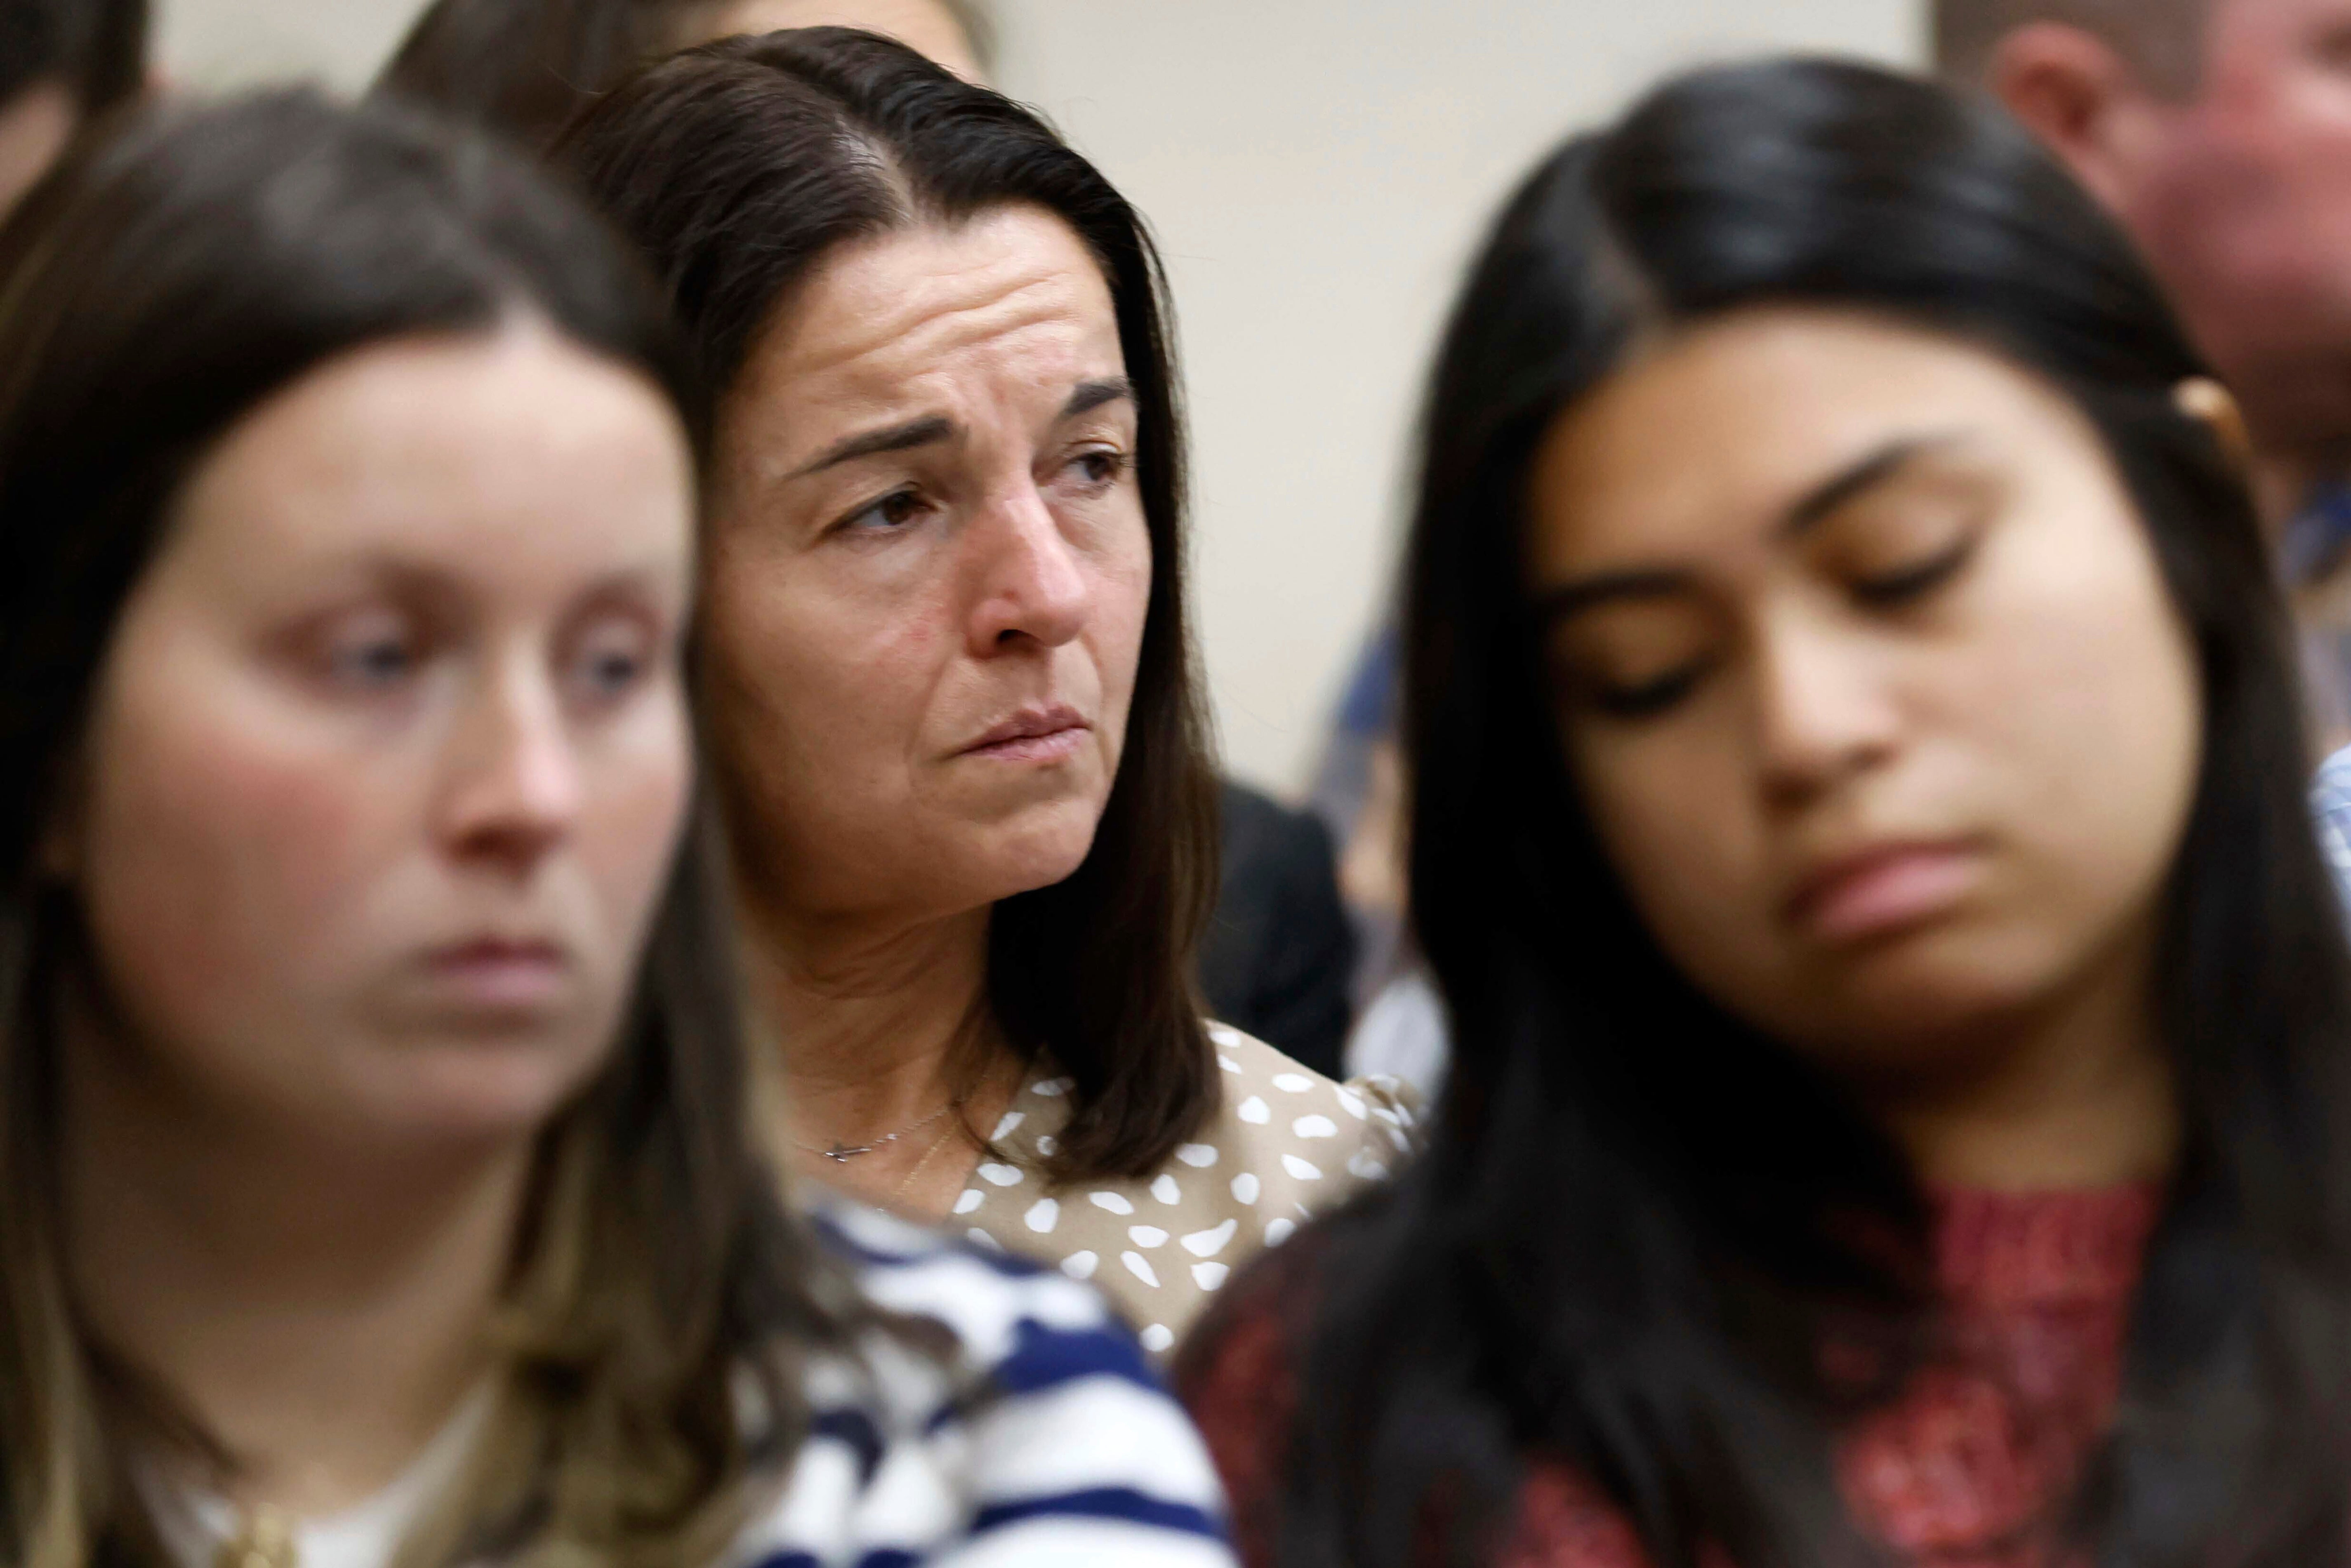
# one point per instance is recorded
(1035, 1431)
(1251, 1066)
(1284, 1145)
(1313, 1137)
(1010, 1326)
(1239, 1376)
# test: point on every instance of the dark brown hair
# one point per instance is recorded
(738, 167)
(524, 68)
(158, 288)
(96, 48)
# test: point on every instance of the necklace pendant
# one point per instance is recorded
(842, 1154)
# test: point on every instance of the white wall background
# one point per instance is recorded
(1317, 171)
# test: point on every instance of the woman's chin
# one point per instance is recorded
(1038, 849)
(457, 1099)
(1921, 1018)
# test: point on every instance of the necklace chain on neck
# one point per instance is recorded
(841, 1154)
(908, 1179)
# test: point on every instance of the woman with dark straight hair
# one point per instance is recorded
(1899, 1106)
(374, 1182)
(946, 670)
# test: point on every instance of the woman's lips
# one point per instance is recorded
(494, 975)
(1883, 891)
(1036, 735)
(1057, 747)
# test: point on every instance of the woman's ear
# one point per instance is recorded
(2205, 399)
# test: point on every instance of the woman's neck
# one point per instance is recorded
(321, 1316)
(2078, 1094)
(881, 1028)
(871, 1019)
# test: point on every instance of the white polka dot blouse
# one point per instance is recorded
(1287, 1144)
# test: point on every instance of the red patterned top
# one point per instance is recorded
(1963, 1471)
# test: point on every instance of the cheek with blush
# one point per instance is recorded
(815, 705)
(221, 872)
(1678, 822)
(637, 795)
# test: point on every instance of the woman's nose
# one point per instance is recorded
(1824, 705)
(513, 791)
(1032, 584)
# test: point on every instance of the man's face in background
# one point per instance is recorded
(2239, 192)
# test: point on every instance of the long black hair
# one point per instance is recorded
(1640, 1216)
(739, 167)
(153, 292)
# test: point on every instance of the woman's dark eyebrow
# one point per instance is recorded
(873, 443)
(1556, 605)
(1091, 395)
(1857, 479)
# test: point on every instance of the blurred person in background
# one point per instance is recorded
(2220, 132)
(946, 668)
(524, 68)
(376, 1182)
(1900, 1108)
(1399, 1029)
(62, 63)
(1279, 954)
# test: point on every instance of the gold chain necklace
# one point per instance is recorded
(908, 1179)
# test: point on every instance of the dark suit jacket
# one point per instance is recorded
(1279, 954)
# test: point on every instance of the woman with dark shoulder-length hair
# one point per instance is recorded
(946, 668)
(525, 67)
(376, 1183)
(1899, 1108)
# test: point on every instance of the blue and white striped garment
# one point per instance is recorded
(1072, 1454)
(2330, 804)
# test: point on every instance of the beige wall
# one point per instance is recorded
(1317, 170)
(230, 43)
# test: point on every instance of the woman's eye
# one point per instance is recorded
(1645, 699)
(891, 513)
(1101, 467)
(611, 662)
(371, 660)
(1888, 589)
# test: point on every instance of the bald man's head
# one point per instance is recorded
(2162, 39)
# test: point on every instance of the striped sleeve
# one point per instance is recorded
(1085, 1459)
(1062, 1449)
(2330, 806)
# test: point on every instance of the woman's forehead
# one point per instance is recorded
(902, 298)
(1006, 312)
(1724, 432)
